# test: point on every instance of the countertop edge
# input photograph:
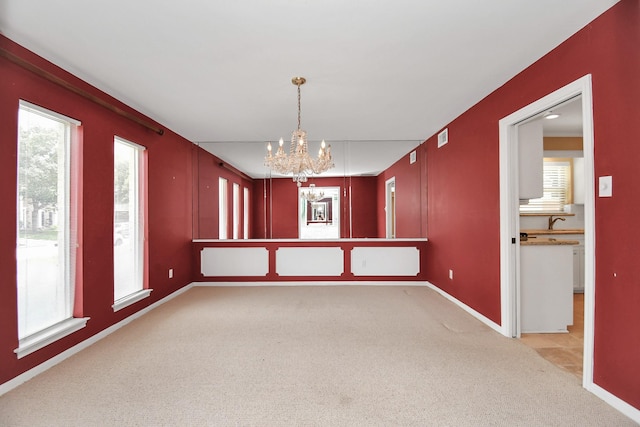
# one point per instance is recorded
(543, 241)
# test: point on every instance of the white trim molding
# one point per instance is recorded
(615, 402)
(510, 223)
(490, 323)
(35, 342)
(314, 283)
(131, 299)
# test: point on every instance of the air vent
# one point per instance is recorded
(412, 157)
(443, 137)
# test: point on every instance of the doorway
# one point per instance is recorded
(390, 207)
(510, 220)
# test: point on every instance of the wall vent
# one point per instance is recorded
(412, 157)
(443, 137)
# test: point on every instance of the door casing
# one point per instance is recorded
(510, 220)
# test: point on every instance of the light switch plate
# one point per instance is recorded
(605, 184)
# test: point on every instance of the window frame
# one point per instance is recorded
(72, 321)
(223, 208)
(245, 207)
(139, 229)
(236, 211)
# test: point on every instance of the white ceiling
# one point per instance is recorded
(382, 76)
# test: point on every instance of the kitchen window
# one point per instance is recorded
(557, 187)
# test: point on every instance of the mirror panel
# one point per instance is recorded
(319, 219)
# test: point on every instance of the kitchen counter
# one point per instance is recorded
(553, 232)
(538, 241)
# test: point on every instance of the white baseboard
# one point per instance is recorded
(616, 402)
(314, 283)
(490, 323)
(26, 376)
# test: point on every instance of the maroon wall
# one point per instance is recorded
(463, 189)
(462, 185)
(275, 204)
(410, 198)
(205, 198)
(169, 205)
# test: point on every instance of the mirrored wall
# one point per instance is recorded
(265, 206)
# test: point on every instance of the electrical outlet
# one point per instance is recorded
(450, 274)
(171, 273)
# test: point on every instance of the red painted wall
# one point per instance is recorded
(462, 185)
(169, 205)
(205, 198)
(410, 198)
(463, 189)
(275, 206)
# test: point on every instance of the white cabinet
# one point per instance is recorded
(530, 160)
(578, 262)
(546, 288)
(578, 269)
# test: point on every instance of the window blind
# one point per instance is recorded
(556, 188)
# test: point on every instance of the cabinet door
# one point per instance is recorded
(530, 160)
(576, 269)
(581, 269)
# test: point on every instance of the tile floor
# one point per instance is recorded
(564, 350)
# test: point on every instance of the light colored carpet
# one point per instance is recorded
(306, 356)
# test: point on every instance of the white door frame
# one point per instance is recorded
(390, 208)
(510, 220)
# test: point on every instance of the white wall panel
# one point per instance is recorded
(385, 261)
(234, 261)
(309, 261)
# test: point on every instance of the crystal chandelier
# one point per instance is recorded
(311, 195)
(298, 161)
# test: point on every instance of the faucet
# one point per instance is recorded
(553, 220)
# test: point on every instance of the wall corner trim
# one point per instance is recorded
(619, 404)
(490, 323)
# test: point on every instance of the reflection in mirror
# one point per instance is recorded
(270, 206)
(390, 207)
(319, 213)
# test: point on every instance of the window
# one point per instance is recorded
(557, 187)
(46, 228)
(245, 223)
(222, 209)
(236, 211)
(128, 224)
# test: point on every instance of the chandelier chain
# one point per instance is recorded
(299, 97)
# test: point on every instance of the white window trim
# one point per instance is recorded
(49, 335)
(131, 299)
(52, 114)
(141, 294)
(223, 206)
